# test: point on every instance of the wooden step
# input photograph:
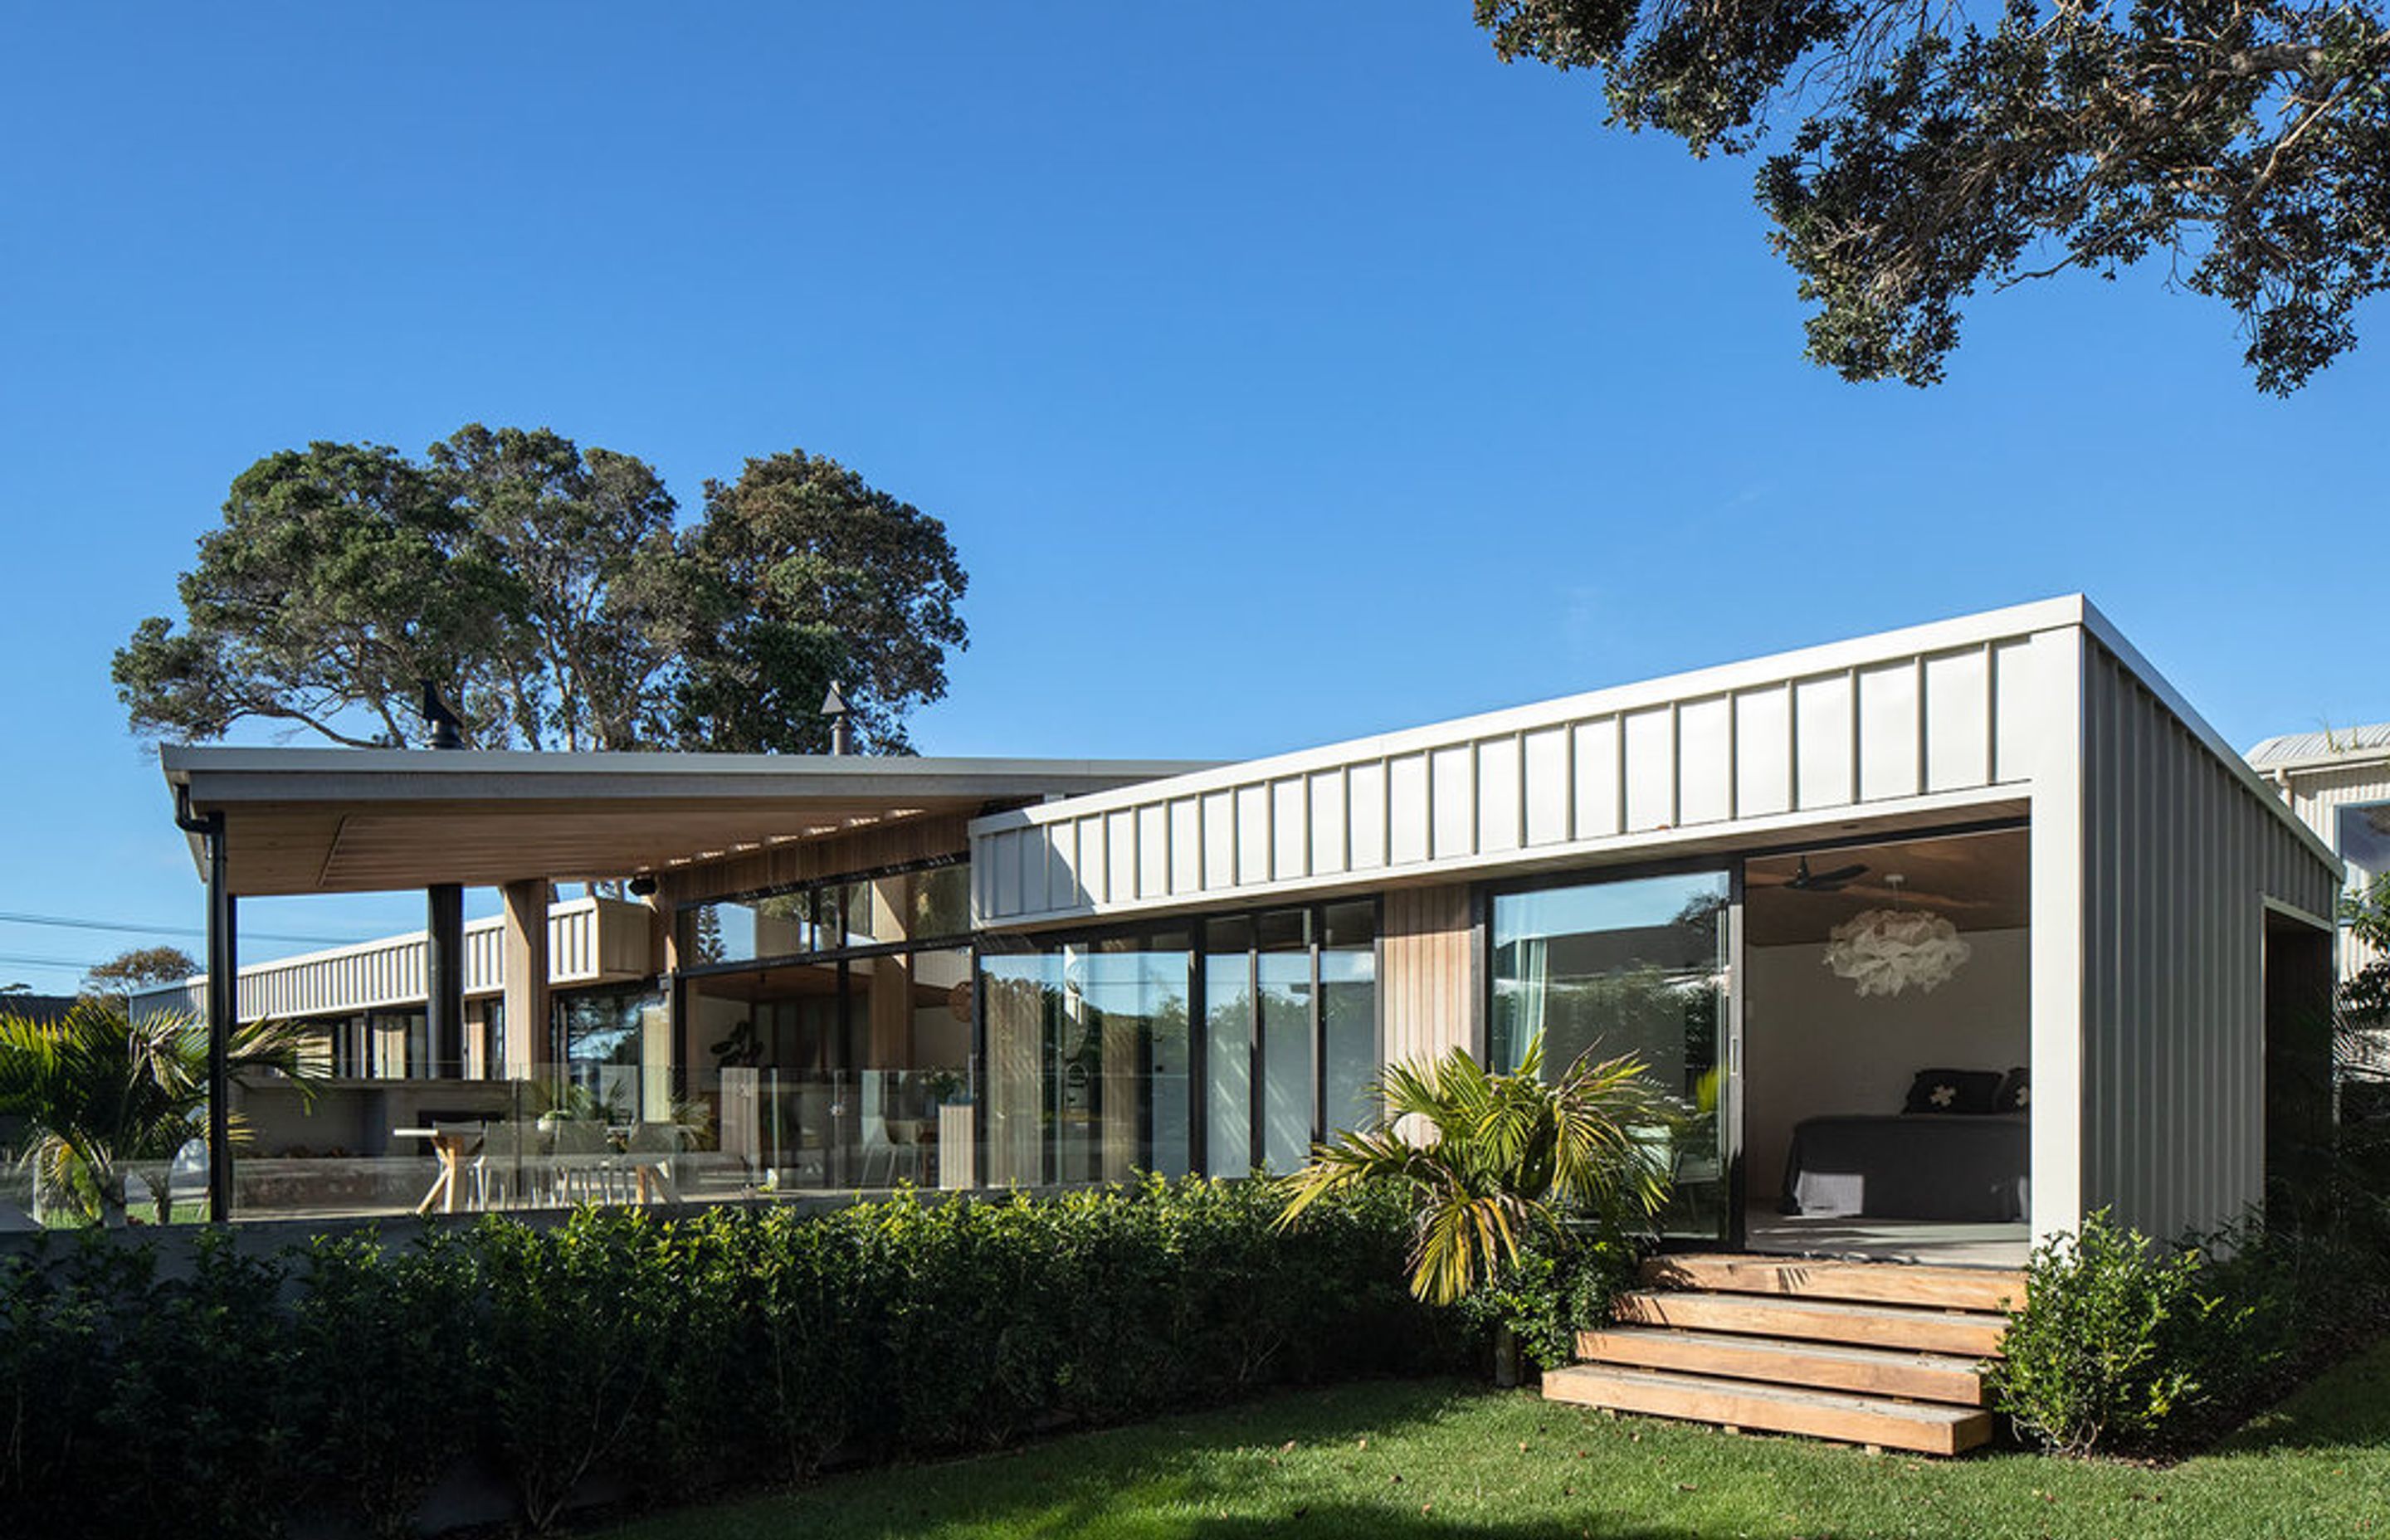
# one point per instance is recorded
(1819, 1366)
(1988, 1289)
(1926, 1430)
(1971, 1335)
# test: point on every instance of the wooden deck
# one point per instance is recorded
(1886, 1355)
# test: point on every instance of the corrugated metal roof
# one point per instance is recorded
(2328, 743)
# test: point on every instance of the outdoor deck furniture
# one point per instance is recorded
(451, 1142)
(513, 1165)
(648, 1153)
(584, 1160)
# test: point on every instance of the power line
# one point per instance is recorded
(63, 922)
(15, 959)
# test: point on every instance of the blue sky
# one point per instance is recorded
(1282, 373)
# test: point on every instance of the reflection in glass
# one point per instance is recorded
(841, 1075)
(1229, 1048)
(1087, 1051)
(1634, 965)
(1282, 969)
(1348, 1015)
(929, 905)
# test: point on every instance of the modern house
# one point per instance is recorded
(1941, 940)
(1999, 848)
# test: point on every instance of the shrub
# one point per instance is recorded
(1557, 1285)
(626, 1354)
(2108, 1347)
(392, 1349)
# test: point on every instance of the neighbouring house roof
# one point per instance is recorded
(2331, 744)
(347, 820)
(44, 1009)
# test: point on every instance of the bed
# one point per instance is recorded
(1957, 1168)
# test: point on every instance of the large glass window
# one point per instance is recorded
(1282, 971)
(1087, 1050)
(618, 1052)
(929, 904)
(1635, 967)
(1121, 1053)
(1229, 1047)
(1348, 1013)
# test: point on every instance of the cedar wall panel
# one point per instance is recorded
(2180, 855)
(1429, 995)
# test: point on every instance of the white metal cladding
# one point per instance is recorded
(589, 940)
(2181, 850)
(1937, 711)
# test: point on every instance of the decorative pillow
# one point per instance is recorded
(2016, 1092)
(1954, 1091)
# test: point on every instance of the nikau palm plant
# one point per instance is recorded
(105, 1094)
(1498, 1156)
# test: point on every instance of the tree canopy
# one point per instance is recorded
(1918, 152)
(551, 594)
(138, 966)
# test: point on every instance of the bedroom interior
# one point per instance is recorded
(1886, 1086)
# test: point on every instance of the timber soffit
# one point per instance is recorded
(406, 782)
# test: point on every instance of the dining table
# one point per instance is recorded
(451, 1142)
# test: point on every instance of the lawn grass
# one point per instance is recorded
(1407, 1459)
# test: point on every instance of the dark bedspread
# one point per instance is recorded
(1914, 1166)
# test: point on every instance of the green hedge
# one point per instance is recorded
(2125, 1346)
(624, 1354)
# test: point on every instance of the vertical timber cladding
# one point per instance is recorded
(2181, 852)
(1429, 990)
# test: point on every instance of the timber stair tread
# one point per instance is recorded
(1985, 1289)
(1887, 1354)
(1922, 1428)
(1920, 1327)
(1947, 1377)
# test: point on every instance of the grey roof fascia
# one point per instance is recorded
(218, 775)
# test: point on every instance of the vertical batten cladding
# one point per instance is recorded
(1833, 729)
(1428, 997)
(589, 939)
(2179, 855)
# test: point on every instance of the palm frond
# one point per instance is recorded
(1490, 1156)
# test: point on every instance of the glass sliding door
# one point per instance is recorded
(1632, 966)
(1348, 1016)
(1229, 1048)
(1282, 969)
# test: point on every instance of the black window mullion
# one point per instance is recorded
(1198, 1056)
(1318, 1030)
(1258, 1114)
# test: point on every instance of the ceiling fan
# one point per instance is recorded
(1805, 880)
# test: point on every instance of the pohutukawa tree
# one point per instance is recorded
(1916, 152)
(550, 593)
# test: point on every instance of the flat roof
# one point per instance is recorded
(352, 820)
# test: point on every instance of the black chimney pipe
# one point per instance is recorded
(443, 961)
(446, 727)
(841, 729)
